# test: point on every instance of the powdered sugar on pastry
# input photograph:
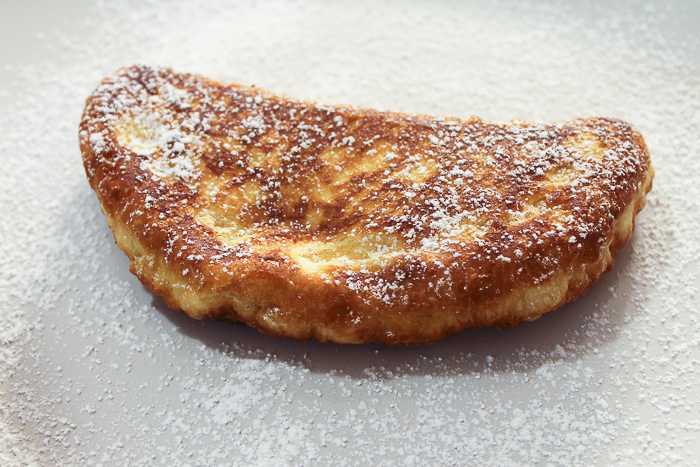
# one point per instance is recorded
(359, 226)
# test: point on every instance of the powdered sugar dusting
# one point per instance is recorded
(93, 370)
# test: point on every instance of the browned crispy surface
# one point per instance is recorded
(352, 225)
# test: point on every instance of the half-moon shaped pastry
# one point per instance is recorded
(351, 225)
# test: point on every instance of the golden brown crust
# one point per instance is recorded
(352, 225)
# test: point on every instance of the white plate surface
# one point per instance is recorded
(94, 370)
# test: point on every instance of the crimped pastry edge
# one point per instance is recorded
(510, 310)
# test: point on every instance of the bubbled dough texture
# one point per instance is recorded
(344, 224)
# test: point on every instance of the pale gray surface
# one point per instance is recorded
(95, 369)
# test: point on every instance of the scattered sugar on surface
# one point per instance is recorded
(94, 370)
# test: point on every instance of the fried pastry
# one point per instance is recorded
(352, 225)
